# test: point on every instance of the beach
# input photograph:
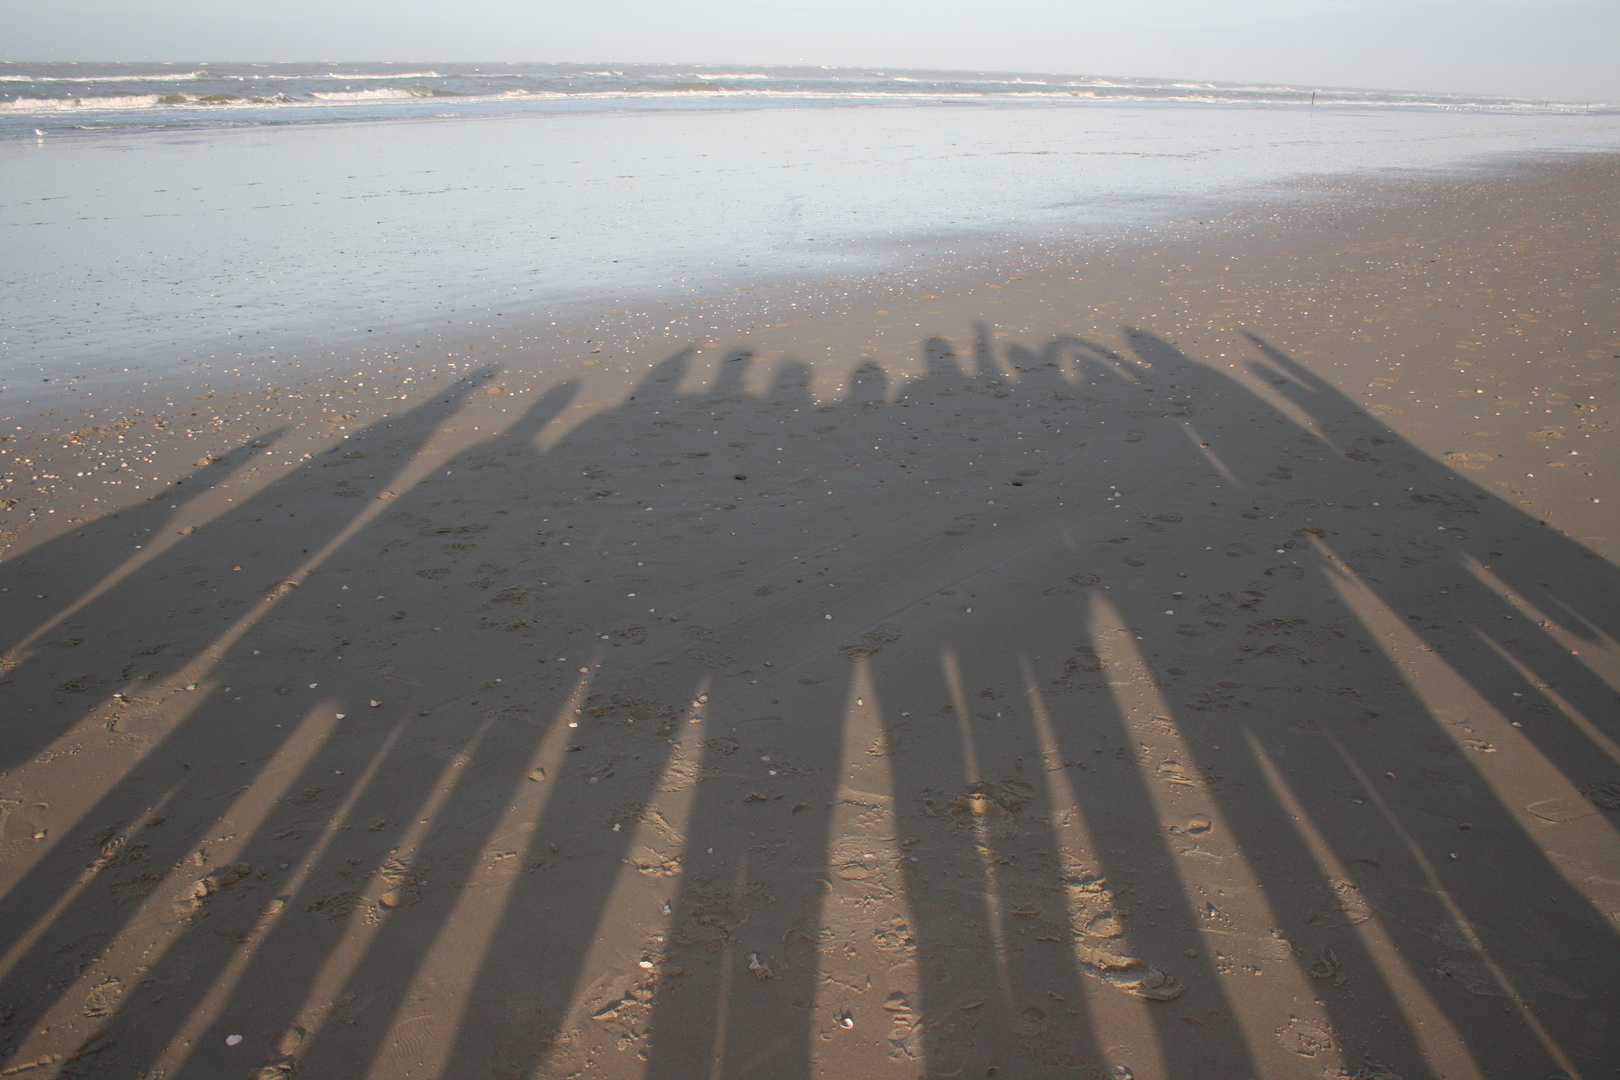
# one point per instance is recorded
(1182, 646)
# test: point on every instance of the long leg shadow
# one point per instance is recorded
(177, 790)
(42, 635)
(1364, 797)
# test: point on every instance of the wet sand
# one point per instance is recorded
(1191, 654)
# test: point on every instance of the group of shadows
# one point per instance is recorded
(756, 941)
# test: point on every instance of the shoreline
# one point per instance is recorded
(291, 245)
(1200, 651)
(881, 316)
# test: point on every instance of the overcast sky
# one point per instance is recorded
(1561, 49)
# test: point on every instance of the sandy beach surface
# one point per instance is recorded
(1190, 653)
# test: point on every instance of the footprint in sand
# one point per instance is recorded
(872, 641)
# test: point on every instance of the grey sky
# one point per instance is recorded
(1560, 49)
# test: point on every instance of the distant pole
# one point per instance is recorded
(1313, 99)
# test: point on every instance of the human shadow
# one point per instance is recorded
(42, 632)
(1396, 824)
(1059, 710)
(176, 756)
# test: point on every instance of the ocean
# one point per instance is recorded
(60, 98)
(154, 216)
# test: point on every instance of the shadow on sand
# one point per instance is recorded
(1060, 711)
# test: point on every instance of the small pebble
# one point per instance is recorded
(233, 1040)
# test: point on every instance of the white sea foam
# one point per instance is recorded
(119, 101)
(124, 78)
(1143, 95)
(389, 75)
(381, 93)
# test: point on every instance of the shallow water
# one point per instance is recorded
(151, 249)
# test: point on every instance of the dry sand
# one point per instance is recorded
(1192, 657)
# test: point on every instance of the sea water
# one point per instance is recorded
(153, 216)
(95, 96)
